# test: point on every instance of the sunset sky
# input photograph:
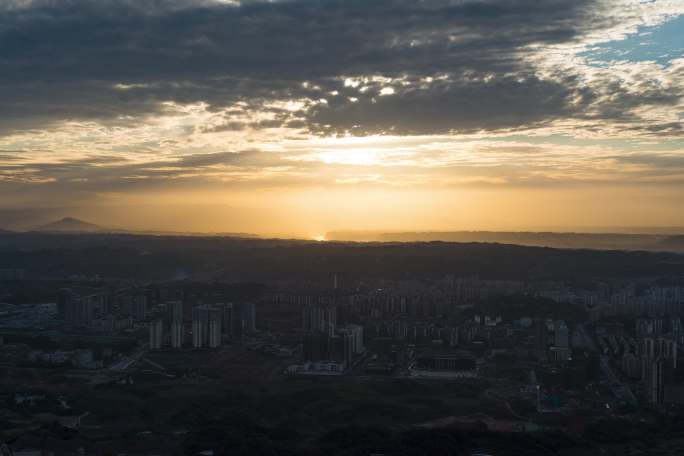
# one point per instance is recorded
(294, 117)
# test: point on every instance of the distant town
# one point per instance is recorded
(535, 356)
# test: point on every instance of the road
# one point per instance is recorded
(617, 387)
(127, 361)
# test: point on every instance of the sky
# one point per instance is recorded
(296, 117)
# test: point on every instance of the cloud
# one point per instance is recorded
(114, 60)
(390, 163)
(462, 104)
(123, 96)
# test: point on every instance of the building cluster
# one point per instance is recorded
(208, 326)
(413, 299)
(326, 341)
(172, 317)
(36, 316)
(101, 310)
(79, 358)
(608, 300)
(438, 330)
(547, 336)
(648, 356)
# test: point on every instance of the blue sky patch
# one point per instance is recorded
(660, 44)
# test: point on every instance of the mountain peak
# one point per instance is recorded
(69, 224)
(70, 220)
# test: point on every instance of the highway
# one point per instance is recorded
(127, 361)
(617, 387)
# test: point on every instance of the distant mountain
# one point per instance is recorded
(602, 241)
(70, 224)
(74, 225)
(672, 243)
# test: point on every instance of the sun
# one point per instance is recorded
(320, 238)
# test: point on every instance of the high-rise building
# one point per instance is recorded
(134, 304)
(176, 334)
(175, 310)
(648, 348)
(658, 362)
(156, 334)
(356, 333)
(214, 330)
(200, 326)
(176, 327)
(661, 347)
(139, 307)
(655, 381)
(249, 316)
(207, 323)
(78, 311)
(667, 349)
(561, 335)
(227, 318)
(319, 318)
(341, 348)
(245, 319)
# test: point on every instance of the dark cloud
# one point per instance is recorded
(114, 60)
(295, 40)
(63, 60)
(461, 105)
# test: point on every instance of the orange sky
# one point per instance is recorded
(298, 117)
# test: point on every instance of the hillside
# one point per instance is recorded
(69, 224)
(602, 241)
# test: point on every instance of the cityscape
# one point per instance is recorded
(342, 227)
(125, 364)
